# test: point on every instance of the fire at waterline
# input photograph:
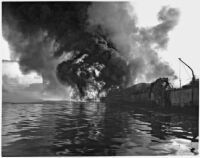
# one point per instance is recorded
(92, 47)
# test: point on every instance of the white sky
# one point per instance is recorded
(184, 38)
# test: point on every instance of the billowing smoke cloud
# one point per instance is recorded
(137, 45)
(91, 47)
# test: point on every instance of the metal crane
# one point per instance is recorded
(193, 78)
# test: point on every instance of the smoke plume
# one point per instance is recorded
(137, 45)
(91, 47)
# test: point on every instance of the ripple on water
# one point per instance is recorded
(75, 129)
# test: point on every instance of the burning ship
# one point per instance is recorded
(159, 93)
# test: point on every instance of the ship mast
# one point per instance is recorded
(193, 78)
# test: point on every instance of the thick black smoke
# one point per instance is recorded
(88, 46)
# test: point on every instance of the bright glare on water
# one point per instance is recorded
(75, 129)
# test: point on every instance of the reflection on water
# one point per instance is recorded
(72, 128)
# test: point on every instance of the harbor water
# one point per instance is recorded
(98, 129)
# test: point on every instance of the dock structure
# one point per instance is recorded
(158, 93)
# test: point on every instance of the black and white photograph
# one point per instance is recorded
(100, 78)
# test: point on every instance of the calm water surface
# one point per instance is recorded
(74, 128)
